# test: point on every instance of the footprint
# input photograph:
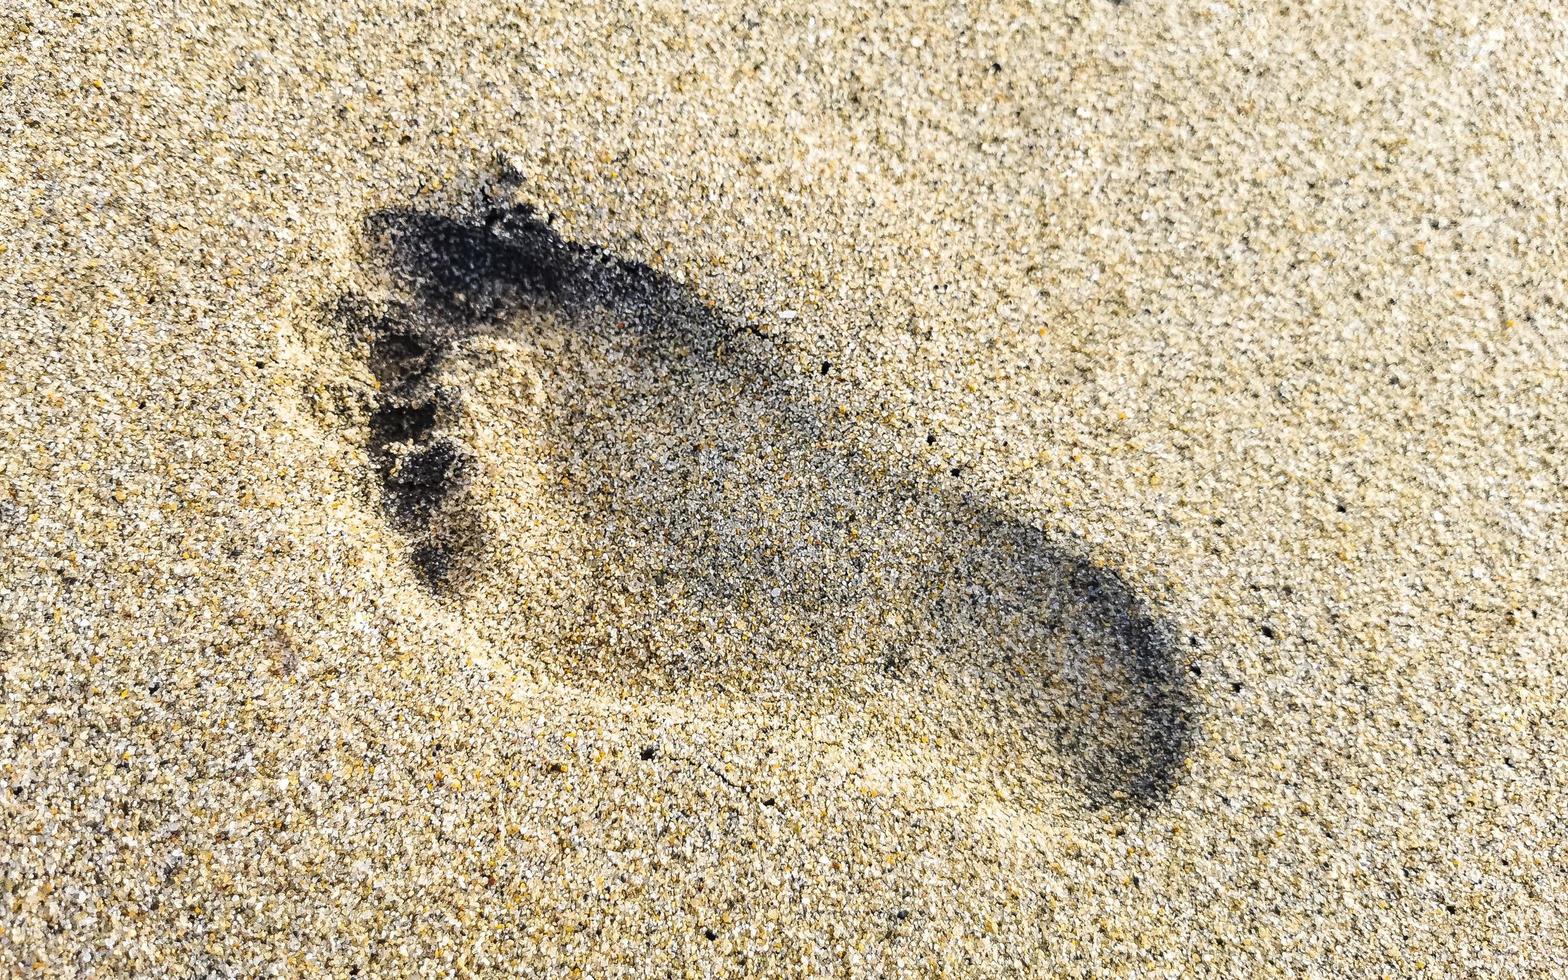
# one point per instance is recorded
(713, 529)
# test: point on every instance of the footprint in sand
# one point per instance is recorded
(657, 494)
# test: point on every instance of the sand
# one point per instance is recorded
(925, 491)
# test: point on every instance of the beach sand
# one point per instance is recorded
(1065, 490)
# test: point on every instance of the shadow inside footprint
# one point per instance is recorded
(724, 505)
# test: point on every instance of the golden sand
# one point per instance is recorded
(932, 491)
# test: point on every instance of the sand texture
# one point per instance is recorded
(968, 490)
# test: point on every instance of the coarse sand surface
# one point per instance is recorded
(980, 489)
